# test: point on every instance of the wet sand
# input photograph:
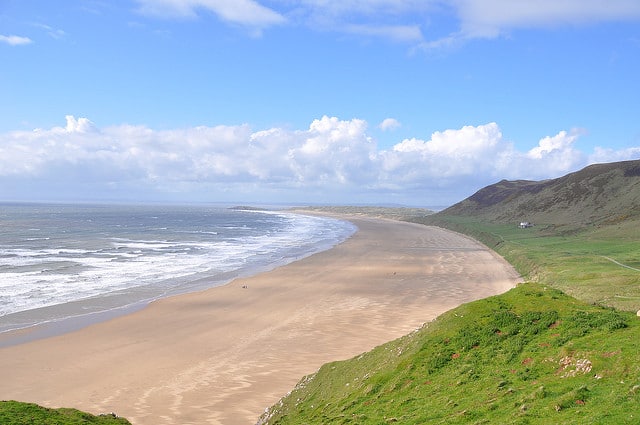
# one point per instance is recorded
(223, 355)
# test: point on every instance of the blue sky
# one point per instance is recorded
(314, 101)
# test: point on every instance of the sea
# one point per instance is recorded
(67, 261)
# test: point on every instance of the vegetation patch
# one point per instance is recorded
(531, 355)
(17, 413)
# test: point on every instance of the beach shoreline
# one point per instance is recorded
(221, 356)
(56, 281)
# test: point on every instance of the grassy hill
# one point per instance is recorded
(15, 413)
(531, 356)
(600, 194)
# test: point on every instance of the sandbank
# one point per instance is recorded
(223, 355)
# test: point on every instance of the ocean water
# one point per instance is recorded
(61, 261)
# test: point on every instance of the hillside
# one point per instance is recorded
(17, 413)
(598, 194)
(530, 356)
(585, 238)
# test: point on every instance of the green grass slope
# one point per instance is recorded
(16, 413)
(532, 355)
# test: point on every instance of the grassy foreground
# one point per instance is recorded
(532, 355)
(16, 413)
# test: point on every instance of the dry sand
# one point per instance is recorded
(223, 355)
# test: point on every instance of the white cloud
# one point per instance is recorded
(335, 158)
(15, 40)
(447, 154)
(561, 143)
(366, 7)
(401, 33)
(395, 20)
(609, 155)
(80, 125)
(244, 12)
(332, 152)
(494, 18)
(389, 124)
(53, 32)
(409, 21)
(466, 142)
(552, 157)
(488, 18)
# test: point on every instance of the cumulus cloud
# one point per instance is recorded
(600, 154)
(244, 12)
(553, 156)
(561, 143)
(389, 124)
(335, 157)
(15, 40)
(332, 152)
(80, 125)
(462, 153)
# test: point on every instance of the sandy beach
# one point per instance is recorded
(223, 355)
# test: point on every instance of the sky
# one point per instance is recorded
(383, 102)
